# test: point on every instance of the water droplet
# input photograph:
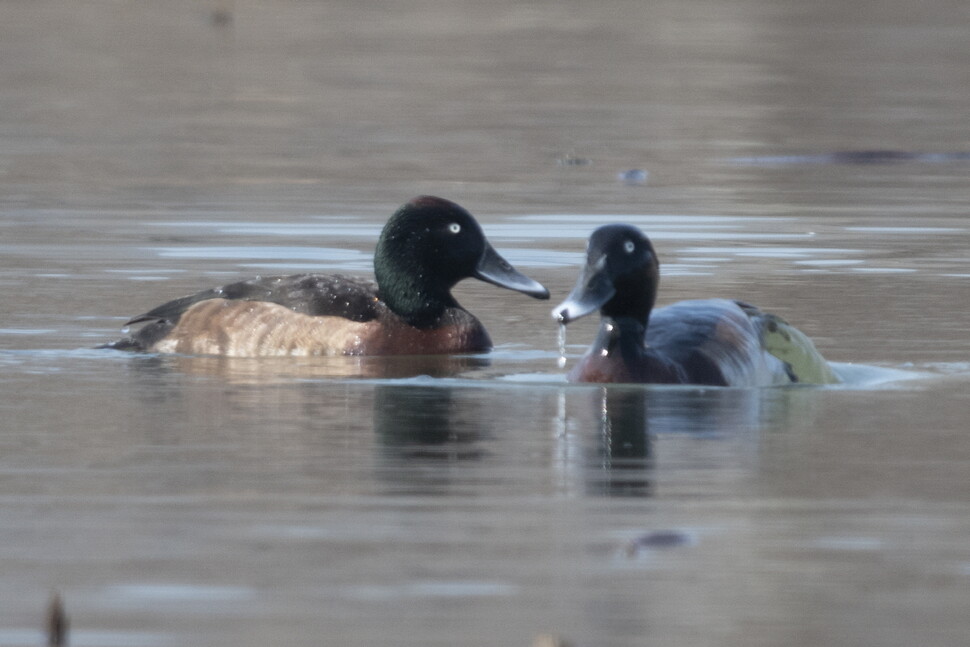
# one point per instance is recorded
(562, 345)
(126, 330)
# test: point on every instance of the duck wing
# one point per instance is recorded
(789, 344)
(733, 343)
(311, 294)
(715, 341)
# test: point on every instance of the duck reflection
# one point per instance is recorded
(263, 370)
(427, 421)
(610, 440)
(430, 436)
(624, 453)
(632, 432)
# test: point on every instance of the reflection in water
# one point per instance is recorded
(625, 447)
(268, 370)
(430, 437)
(436, 437)
(426, 429)
(637, 427)
(425, 421)
(610, 440)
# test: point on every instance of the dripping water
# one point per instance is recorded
(562, 345)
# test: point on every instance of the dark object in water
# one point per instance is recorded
(633, 177)
(57, 622)
(221, 18)
(659, 539)
(875, 156)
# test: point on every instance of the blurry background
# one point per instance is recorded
(355, 102)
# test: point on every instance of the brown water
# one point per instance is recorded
(148, 150)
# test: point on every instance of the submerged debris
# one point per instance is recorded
(221, 17)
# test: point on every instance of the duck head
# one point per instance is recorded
(619, 279)
(428, 246)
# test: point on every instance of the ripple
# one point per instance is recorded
(831, 262)
(86, 638)
(771, 252)
(260, 252)
(864, 376)
(848, 543)
(908, 230)
(885, 270)
(282, 229)
(178, 593)
(432, 589)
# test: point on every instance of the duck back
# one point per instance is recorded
(716, 342)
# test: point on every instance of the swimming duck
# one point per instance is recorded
(706, 341)
(426, 247)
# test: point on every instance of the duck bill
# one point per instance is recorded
(593, 289)
(494, 269)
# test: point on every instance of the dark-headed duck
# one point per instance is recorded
(426, 247)
(707, 341)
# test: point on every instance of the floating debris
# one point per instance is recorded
(633, 177)
(658, 540)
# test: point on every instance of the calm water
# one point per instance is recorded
(148, 150)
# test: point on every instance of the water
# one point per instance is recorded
(153, 149)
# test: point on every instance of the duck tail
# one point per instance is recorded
(789, 344)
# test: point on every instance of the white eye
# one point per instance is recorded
(629, 246)
(454, 227)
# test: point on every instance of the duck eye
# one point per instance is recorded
(629, 246)
(454, 227)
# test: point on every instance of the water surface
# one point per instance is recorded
(152, 150)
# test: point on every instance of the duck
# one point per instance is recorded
(426, 247)
(714, 342)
